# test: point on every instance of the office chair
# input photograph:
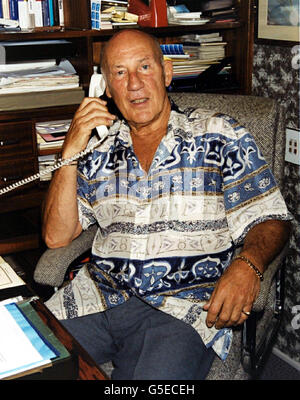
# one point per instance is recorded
(264, 118)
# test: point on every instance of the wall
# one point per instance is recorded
(276, 75)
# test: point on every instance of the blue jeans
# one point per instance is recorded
(143, 343)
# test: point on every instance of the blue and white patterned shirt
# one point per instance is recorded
(167, 236)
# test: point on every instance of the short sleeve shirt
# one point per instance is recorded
(166, 236)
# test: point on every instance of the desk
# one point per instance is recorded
(86, 367)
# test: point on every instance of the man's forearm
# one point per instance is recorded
(60, 214)
(264, 241)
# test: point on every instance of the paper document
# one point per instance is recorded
(21, 348)
(8, 277)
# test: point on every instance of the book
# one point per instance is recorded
(45, 10)
(61, 12)
(55, 13)
(51, 98)
(51, 12)
(172, 49)
(13, 10)
(26, 20)
(96, 14)
(5, 9)
(35, 8)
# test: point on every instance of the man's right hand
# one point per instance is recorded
(92, 112)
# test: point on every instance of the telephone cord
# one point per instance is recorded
(50, 169)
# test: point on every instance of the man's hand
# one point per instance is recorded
(234, 293)
(238, 287)
(92, 112)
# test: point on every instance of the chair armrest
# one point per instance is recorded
(53, 264)
(261, 301)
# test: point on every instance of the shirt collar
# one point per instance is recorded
(179, 123)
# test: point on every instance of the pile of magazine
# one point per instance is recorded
(37, 76)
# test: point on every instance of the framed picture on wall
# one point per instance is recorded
(277, 21)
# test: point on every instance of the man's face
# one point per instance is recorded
(136, 80)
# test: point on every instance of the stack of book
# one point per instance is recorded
(109, 14)
(194, 54)
(106, 19)
(50, 136)
(186, 64)
(209, 47)
(30, 14)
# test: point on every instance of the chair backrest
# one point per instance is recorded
(263, 117)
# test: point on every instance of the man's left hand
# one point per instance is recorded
(233, 296)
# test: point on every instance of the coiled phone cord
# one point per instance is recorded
(52, 168)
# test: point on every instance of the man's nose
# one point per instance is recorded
(134, 81)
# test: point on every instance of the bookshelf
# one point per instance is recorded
(20, 159)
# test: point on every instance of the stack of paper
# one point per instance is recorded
(44, 163)
(180, 15)
(51, 134)
(8, 277)
(189, 68)
(187, 19)
(187, 60)
(37, 77)
(208, 47)
(21, 347)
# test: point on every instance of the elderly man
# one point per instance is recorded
(172, 192)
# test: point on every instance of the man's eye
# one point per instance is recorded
(145, 66)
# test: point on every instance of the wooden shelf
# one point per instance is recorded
(45, 113)
(75, 33)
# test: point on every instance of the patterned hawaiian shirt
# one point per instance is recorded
(167, 236)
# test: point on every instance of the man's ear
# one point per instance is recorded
(168, 68)
(107, 91)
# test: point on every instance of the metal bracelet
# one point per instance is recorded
(251, 265)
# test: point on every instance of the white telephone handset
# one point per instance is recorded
(96, 89)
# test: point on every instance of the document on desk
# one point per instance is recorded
(8, 277)
(21, 347)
